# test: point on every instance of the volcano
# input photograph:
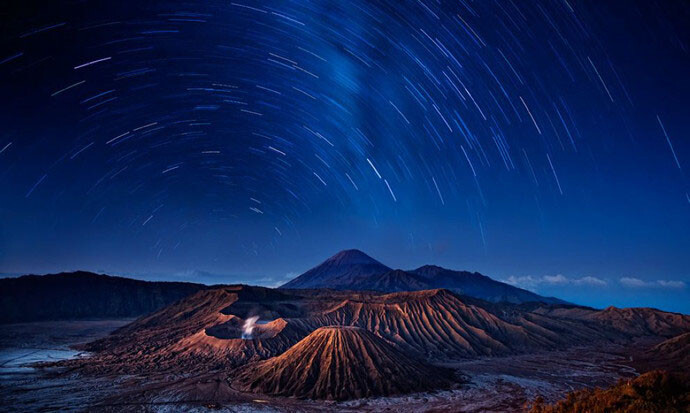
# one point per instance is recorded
(340, 363)
(391, 282)
(339, 272)
(355, 270)
(341, 345)
(204, 331)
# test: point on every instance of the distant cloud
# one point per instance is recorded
(555, 279)
(275, 283)
(638, 283)
(633, 282)
(671, 284)
(530, 282)
(591, 281)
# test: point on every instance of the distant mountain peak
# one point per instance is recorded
(339, 271)
(430, 268)
(351, 257)
(352, 269)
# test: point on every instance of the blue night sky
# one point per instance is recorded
(543, 143)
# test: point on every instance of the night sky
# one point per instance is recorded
(543, 143)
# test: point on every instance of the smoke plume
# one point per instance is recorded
(248, 327)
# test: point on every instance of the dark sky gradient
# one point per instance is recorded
(544, 143)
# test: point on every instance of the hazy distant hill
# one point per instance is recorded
(355, 270)
(477, 285)
(84, 295)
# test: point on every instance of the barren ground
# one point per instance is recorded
(493, 384)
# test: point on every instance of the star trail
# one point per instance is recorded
(252, 136)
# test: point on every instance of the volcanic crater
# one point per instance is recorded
(338, 345)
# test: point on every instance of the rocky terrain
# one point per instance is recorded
(505, 384)
(655, 391)
(664, 386)
(671, 355)
(340, 345)
(340, 363)
(205, 329)
(426, 349)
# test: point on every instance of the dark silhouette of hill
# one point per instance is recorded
(84, 295)
(340, 363)
(477, 285)
(354, 270)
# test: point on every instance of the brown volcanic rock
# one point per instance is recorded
(192, 332)
(638, 322)
(173, 322)
(203, 331)
(439, 325)
(340, 363)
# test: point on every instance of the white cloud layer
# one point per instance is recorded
(638, 283)
(530, 282)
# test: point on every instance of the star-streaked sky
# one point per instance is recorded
(544, 143)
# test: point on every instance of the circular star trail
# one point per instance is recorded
(152, 131)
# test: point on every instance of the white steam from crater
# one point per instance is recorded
(248, 327)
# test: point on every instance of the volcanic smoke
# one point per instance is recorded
(248, 327)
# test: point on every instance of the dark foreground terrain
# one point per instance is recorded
(654, 391)
(24, 387)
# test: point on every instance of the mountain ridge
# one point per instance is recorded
(355, 270)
